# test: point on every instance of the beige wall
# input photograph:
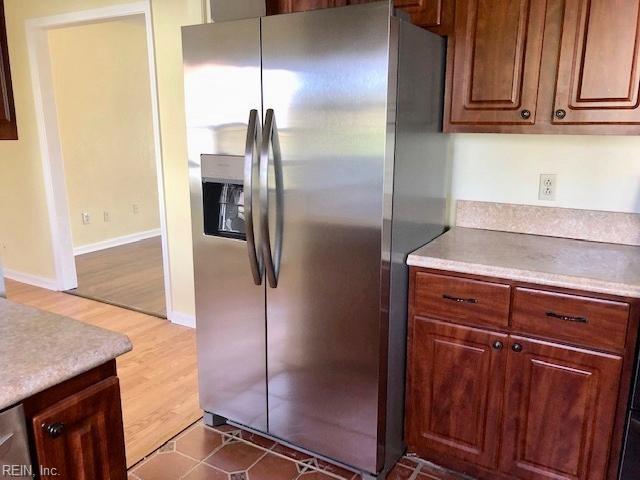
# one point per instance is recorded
(25, 243)
(101, 83)
(593, 172)
(168, 16)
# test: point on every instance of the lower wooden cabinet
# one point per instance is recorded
(559, 411)
(499, 403)
(456, 376)
(75, 428)
(81, 437)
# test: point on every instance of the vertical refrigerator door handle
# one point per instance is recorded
(250, 157)
(270, 139)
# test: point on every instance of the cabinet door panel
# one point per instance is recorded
(454, 399)
(435, 15)
(497, 46)
(89, 443)
(559, 411)
(599, 66)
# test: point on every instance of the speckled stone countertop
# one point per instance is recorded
(559, 262)
(40, 349)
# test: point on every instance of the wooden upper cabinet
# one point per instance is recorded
(494, 71)
(436, 15)
(599, 67)
(289, 6)
(454, 391)
(81, 436)
(8, 126)
(559, 411)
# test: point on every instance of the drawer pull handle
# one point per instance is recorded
(459, 300)
(568, 318)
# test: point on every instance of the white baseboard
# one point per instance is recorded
(183, 319)
(116, 241)
(36, 281)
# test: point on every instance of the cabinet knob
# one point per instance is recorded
(498, 345)
(526, 114)
(560, 113)
(54, 430)
(516, 347)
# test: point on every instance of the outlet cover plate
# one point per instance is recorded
(548, 185)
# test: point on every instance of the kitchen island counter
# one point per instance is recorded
(39, 350)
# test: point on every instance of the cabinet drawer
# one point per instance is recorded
(462, 299)
(571, 318)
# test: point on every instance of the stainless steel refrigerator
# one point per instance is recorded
(316, 165)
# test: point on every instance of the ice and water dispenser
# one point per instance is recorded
(223, 196)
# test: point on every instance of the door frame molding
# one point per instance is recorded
(49, 135)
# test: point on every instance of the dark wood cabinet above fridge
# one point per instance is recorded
(8, 125)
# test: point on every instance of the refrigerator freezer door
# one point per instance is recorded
(325, 75)
(222, 86)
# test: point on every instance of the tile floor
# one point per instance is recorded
(229, 453)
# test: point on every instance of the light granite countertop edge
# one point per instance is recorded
(529, 276)
(51, 376)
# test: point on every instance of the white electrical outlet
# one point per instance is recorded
(86, 219)
(106, 216)
(136, 208)
(548, 183)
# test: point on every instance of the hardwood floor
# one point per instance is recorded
(158, 378)
(130, 276)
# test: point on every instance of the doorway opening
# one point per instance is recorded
(94, 80)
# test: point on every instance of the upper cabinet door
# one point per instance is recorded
(599, 68)
(497, 46)
(435, 15)
(8, 126)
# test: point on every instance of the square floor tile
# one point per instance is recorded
(247, 435)
(199, 442)
(205, 472)
(235, 457)
(164, 466)
(273, 467)
(315, 476)
(400, 472)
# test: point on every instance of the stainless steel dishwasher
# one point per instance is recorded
(15, 460)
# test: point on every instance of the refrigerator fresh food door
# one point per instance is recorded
(325, 76)
(223, 108)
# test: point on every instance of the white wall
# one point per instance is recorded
(594, 172)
